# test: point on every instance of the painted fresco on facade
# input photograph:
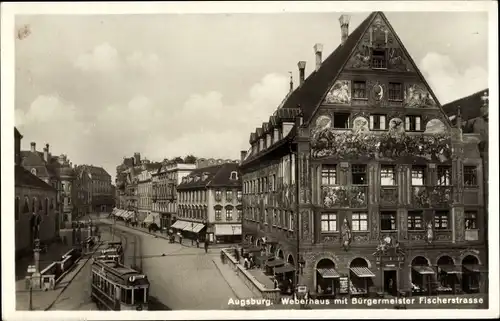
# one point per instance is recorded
(340, 93)
(435, 126)
(416, 95)
(360, 125)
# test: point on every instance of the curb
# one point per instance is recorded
(74, 276)
(222, 274)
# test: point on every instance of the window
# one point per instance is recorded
(418, 175)
(328, 222)
(378, 59)
(33, 205)
(470, 176)
(441, 220)
(387, 175)
(218, 216)
(359, 90)
(275, 217)
(415, 219)
(412, 123)
(358, 174)
(377, 122)
(229, 196)
(16, 209)
(470, 220)
(234, 175)
(395, 91)
(33, 171)
(218, 196)
(359, 222)
(329, 175)
(444, 175)
(388, 221)
(126, 296)
(240, 214)
(239, 196)
(46, 206)
(229, 214)
(341, 120)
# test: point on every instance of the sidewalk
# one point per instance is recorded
(43, 300)
(54, 253)
(263, 279)
(240, 289)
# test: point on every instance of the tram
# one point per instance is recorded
(113, 251)
(117, 287)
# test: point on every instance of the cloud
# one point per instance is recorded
(102, 58)
(143, 62)
(450, 82)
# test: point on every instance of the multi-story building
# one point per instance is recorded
(209, 201)
(126, 183)
(57, 171)
(165, 182)
(99, 192)
(35, 210)
(360, 182)
(145, 192)
(83, 192)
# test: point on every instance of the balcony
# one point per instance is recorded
(344, 196)
(431, 196)
(388, 195)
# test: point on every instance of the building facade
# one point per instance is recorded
(83, 192)
(145, 193)
(360, 182)
(100, 194)
(58, 172)
(165, 182)
(35, 210)
(210, 203)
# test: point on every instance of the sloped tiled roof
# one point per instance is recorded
(95, 170)
(469, 106)
(217, 176)
(310, 93)
(24, 178)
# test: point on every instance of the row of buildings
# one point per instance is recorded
(51, 192)
(361, 180)
(186, 197)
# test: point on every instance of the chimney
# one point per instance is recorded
(302, 69)
(33, 147)
(344, 28)
(46, 154)
(318, 50)
(137, 159)
(243, 155)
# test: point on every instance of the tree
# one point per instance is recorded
(190, 159)
(178, 160)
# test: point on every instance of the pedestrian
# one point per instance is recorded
(197, 242)
(237, 255)
(206, 246)
(180, 238)
(192, 241)
(246, 264)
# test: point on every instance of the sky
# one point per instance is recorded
(99, 88)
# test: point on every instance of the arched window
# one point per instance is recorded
(17, 208)
(33, 205)
(46, 206)
(26, 208)
(234, 175)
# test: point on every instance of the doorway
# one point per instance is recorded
(390, 282)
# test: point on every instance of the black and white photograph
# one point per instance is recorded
(219, 160)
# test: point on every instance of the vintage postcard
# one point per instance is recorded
(225, 160)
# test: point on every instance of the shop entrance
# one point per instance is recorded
(390, 281)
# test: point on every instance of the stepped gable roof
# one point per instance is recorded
(216, 176)
(24, 178)
(309, 95)
(469, 106)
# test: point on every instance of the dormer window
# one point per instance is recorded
(33, 171)
(234, 175)
(379, 59)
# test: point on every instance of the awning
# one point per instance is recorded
(119, 213)
(276, 262)
(179, 225)
(450, 269)
(189, 226)
(198, 227)
(284, 269)
(475, 268)
(127, 214)
(149, 218)
(253, 249)
(423, 269)
(362, 272)
(328, 273)
(263, 258)
(227, 229)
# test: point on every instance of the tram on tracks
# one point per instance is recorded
(117, 287)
